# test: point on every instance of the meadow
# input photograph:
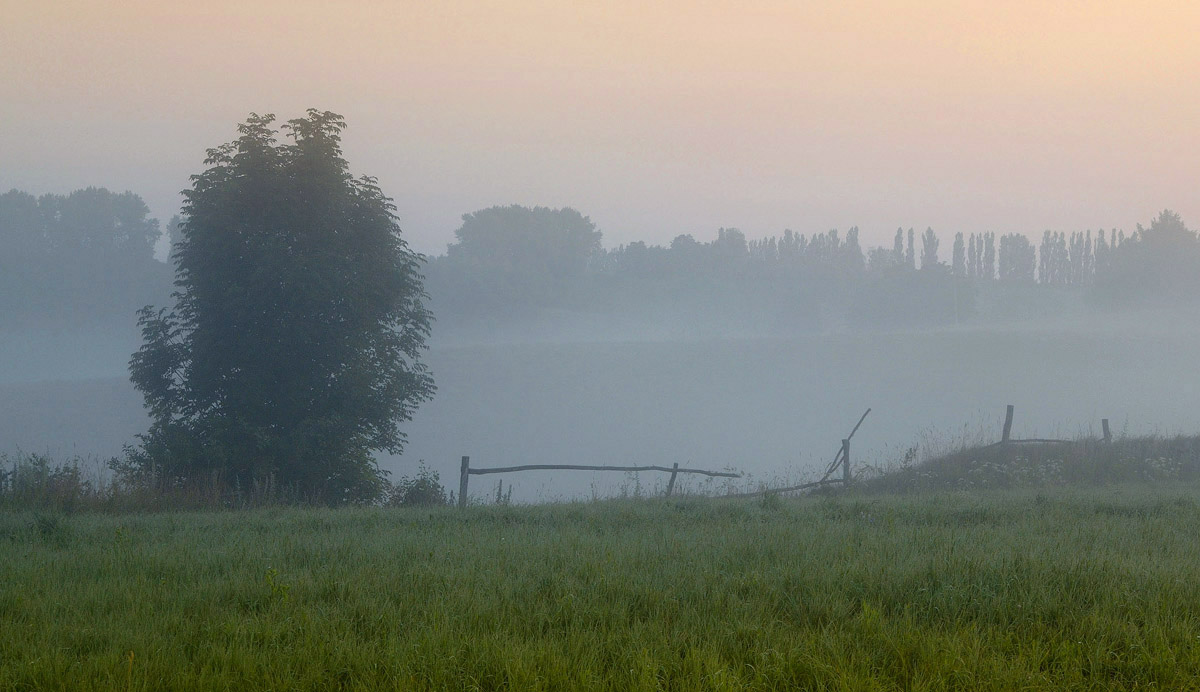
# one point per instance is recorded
(1025, 588)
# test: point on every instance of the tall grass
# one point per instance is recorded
(37, 482)
(1019, 589)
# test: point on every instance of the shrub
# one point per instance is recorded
(422, 490)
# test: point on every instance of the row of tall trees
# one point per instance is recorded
(1060, 259)
(90, 255)
(555, 260)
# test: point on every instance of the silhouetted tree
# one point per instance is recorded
(929, 249)
(515, 259)
(1156, 264)
(989, 256)
(1017, 259)
(852, 254)
(1102, 257)
(1045, 251)
(730, 245)
(293, 350)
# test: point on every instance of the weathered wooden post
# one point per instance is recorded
(1107, 432)
(671, 483)
(846, 461)
(463, 474)
(1008, 417)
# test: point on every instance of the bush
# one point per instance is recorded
(422, 490)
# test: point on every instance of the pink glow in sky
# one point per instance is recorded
(653, 118)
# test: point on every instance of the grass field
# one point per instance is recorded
(1017, 589)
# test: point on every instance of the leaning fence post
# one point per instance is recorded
(463, 475)
(846, 462)
(1008, 416)
(1107, 432)
(671, 483)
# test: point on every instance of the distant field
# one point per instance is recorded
(778, 407)
(773, 407)
(1062, 589)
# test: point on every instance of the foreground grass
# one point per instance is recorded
(1000, 590)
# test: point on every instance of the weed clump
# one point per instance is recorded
(424, 489)
(35, 481)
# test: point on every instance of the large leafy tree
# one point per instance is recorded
(293, 349)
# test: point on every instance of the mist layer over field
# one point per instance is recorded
(775, 408)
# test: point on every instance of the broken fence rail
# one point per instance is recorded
(466, 472)
(791, 488)
(1006, 437)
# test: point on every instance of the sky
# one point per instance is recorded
(653, 118)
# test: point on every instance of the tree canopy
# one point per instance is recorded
(505, 258)
(81, 256)
(293, 348)
(1156, 265)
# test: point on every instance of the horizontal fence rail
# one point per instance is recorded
(1006, 437)
(466, 472)
(791, 488)
(1030, 441)
(573, 467)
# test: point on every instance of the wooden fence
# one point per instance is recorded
(840, 460)
(466, 472)
(1006, 437)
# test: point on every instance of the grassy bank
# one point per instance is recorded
(1079, 463)
(1079, 589)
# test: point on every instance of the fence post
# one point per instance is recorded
(846, 462)
(1008, 416)
(463, 475)
(1107, 432)
(671, 483)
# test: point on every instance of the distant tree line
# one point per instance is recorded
(87, 255)
(90, 255)
(516, 261)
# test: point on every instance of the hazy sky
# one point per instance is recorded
(653, 118)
